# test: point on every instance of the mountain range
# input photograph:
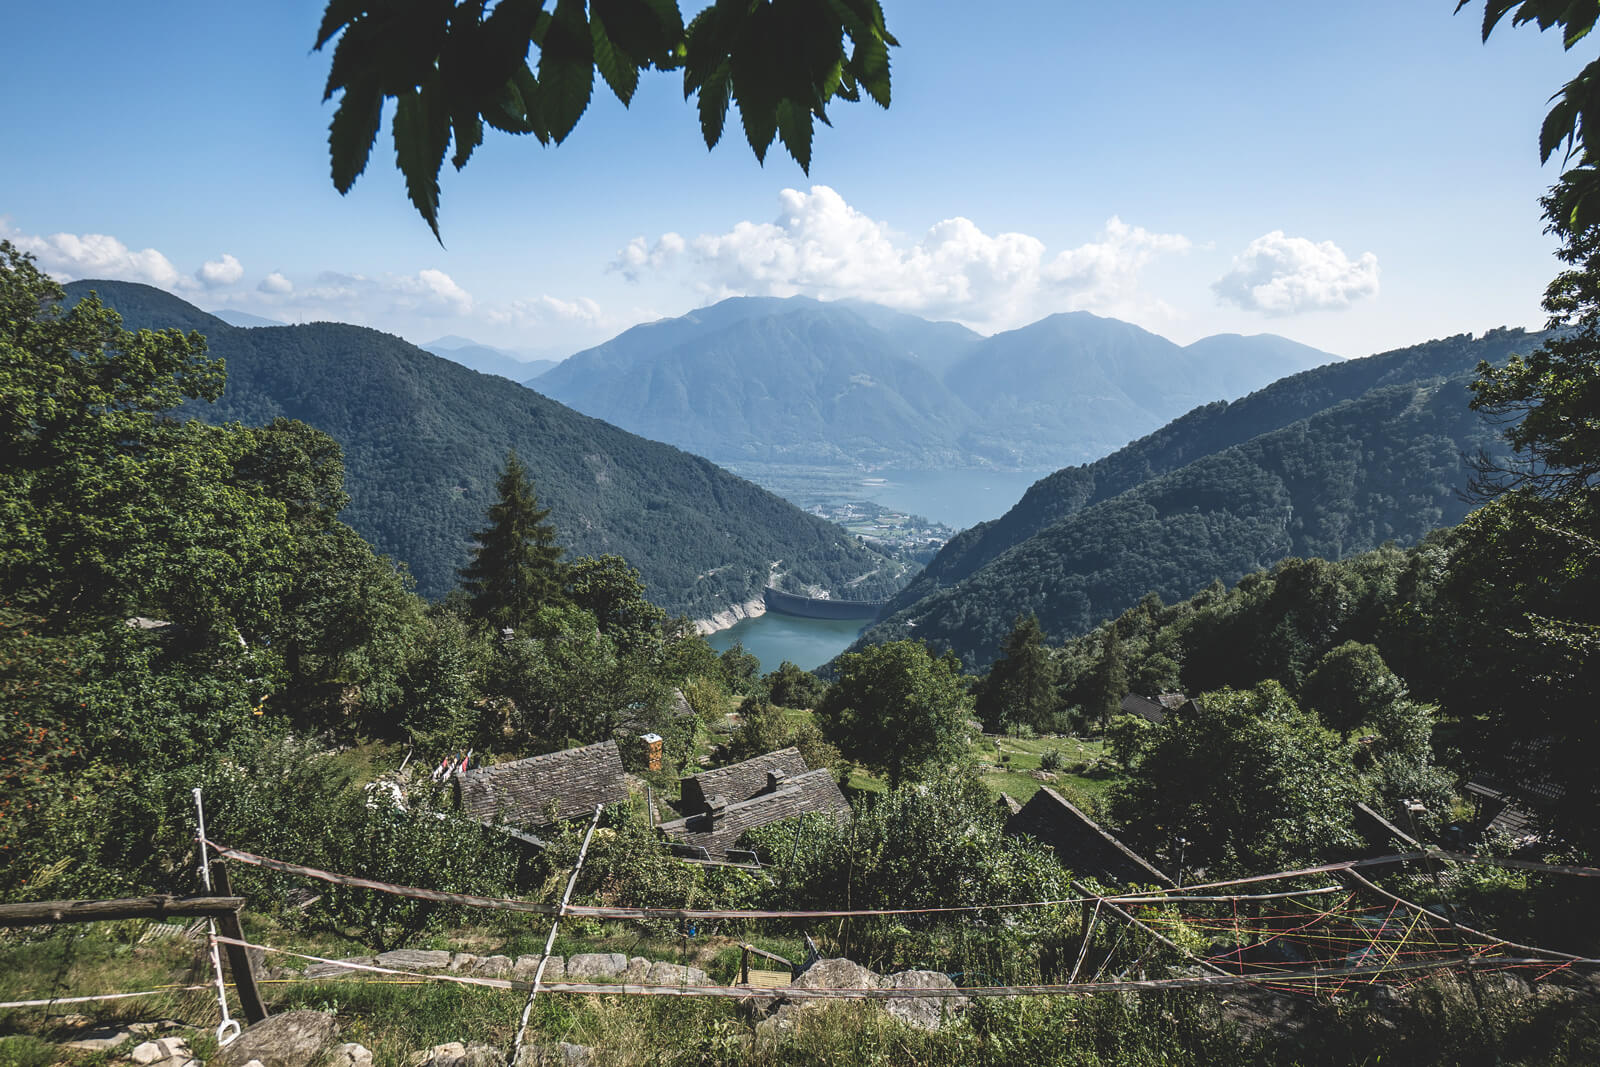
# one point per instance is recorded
(1329, 462)
(486, 359)
(800, 381)
(424, 439)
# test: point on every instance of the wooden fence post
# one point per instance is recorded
(239, 963)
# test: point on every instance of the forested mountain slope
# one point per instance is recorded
(1386, 466)
(804, 383)
(1201, 432)
(423, 439)
(847, 383)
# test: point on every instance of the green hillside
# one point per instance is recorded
(424, 437)
(1202, 432)
(1387, 466)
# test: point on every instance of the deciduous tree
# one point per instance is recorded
(898, 710)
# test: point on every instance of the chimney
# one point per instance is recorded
(717, 809)
(775, 779)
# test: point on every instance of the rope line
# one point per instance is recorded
(103, 996)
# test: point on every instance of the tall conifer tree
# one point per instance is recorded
(1021, 686)
(516, 566)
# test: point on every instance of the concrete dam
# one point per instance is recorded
(808, 607)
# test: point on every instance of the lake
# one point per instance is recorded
(957, 498)
(773, 638)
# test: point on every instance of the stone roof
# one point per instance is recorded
(718, 830)
(1081, 844)
(680, 705)
(1144, 707)
(739, 781)
(521, 793)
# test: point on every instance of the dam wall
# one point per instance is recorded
(807, 607)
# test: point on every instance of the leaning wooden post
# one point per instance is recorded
(239, 962)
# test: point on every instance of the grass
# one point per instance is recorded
(1085, 776)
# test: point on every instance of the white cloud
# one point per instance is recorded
(362, 298)
(818, 245)
(215, 273)
(1278, 275)
(544, 310)
(70, 256)
(276, 284)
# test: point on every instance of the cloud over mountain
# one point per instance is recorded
(1280, 275)
(97, 255)
(820, 246)
(216, 273)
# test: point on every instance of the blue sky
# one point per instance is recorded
(1357, 176)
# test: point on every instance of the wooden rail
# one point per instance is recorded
(224, 909)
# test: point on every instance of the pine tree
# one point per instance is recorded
(516, 566)
(1021, 687)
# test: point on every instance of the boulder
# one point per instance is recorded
(455, 1054)
(336, 969)
(167, 1052)
(561, 1054)
(836, 974)
(462, 962)
(293, 1039)
(492, 967)
(638, 969)
(674, 974)
(587, 965)
(527, 966)
(924, 1013)
(351, 1054)
(415, 959)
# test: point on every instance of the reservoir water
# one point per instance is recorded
(773, 638)
(958, 498)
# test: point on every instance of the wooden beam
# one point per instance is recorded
(89, 911)
(239, 962)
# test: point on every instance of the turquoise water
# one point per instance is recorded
(959, 498)
(773, 638)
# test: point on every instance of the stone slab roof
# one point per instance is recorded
(739, 781)
(1082, 845)
(1144, 707)
(716, 833)
(521, 793)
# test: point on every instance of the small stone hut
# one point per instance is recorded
(524, 792)
(1080, 843)
(723, 803)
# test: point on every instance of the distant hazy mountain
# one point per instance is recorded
(1328, 462)
(487, 359)
(1076, 386)
(805, 381)
(244, 319)
(424, 437)
(773, 380)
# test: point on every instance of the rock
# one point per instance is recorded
(527, 966)
(638, 968)
(492, 967)
(148, 1053)
(596, 965)
(99, 1039)
(837, 974)
(351, 1054)
(334, 970)
(413, 959)
(562, 1054)
(924, 1013)
(293, 1039)
(455, 1054)
(462, 962)
(167, 1052)
(675, 974)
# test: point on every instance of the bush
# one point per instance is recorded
(1051, 760)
